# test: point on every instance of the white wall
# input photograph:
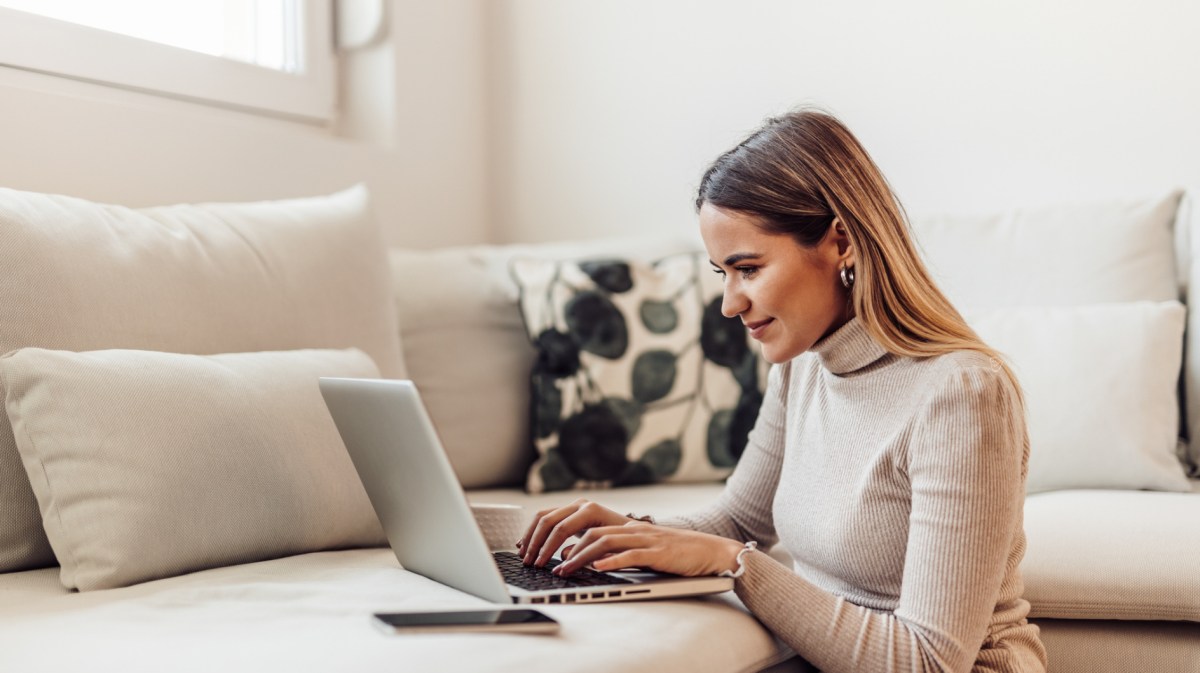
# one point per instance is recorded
(528, 120)
(416, 136)
(606, 113)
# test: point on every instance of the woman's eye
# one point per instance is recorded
(719, 272)
(747, 271)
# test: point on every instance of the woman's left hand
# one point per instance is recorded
(645, 545)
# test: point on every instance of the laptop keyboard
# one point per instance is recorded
(531, 578)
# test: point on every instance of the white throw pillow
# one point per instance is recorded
(1101, 391)
(205, 278)
(150, 464)
(1065, 255)
(1077, 254)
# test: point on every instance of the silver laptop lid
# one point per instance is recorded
(412, 487)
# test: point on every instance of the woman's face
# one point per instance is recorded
(787, 295)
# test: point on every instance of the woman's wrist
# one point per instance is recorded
(732, 558)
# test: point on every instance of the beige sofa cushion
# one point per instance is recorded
(467, 350)
(1095, 646)
(312, 614)
(1113, 555)
(150, 464)
(1075, 254)
(210, 278)
(1101, 386)
(1060, 255)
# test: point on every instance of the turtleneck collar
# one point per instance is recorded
(848, 349)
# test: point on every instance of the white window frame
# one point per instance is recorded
(36, 43)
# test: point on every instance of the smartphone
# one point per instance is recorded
(517, 620)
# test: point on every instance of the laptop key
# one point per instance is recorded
(531, 578)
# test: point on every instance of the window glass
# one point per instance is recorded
(266, 33)
(197, 50)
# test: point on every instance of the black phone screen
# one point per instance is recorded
(464, 618)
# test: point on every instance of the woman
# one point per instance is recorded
(890, 453)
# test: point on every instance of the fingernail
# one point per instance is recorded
(520, 543)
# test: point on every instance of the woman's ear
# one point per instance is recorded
(845, 248)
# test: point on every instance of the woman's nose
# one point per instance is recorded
(733, 303)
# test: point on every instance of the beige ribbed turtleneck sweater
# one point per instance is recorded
(897, 485)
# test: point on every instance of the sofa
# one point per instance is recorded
(153, 514)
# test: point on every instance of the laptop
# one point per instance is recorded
(427, 518)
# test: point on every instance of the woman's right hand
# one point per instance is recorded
(550, 528)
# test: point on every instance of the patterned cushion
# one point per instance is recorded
(638, 376)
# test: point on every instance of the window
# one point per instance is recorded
(267, 55)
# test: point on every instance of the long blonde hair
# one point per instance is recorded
(798, 173)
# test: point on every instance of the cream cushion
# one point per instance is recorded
(210, 278)
(1113, 555)
(1074, 254)
(312, 613)
(1101, 391)
(467, 350)
(1089, 646)
(1059, 255)
(150, 464)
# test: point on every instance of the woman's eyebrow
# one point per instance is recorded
(738, 257)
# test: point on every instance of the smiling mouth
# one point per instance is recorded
(756, 329)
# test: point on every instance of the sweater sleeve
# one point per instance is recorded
(744, 510)
(965, 463)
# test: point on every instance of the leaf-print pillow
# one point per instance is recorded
(638, 377)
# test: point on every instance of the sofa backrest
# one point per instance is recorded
(1073, 255)
(467, 349)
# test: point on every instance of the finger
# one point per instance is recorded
(631, 558)
(541, 530)
(578, 522)
(567, 551)
(594, 546)
(524, 541)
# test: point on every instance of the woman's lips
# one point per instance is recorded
(757, 328)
